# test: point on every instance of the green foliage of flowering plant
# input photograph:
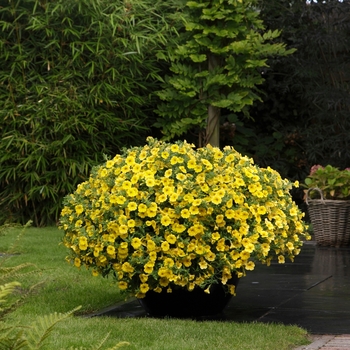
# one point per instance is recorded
(333, 182)
(168, 215)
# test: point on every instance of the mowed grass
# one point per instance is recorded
(62, 287)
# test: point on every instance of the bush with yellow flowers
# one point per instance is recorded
(165, 216)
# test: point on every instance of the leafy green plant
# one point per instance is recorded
(35, 336)
(334, 183)
(169, 216)
(216, 65)
(76, 82)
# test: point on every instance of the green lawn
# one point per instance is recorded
(62, 287)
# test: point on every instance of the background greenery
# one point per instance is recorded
(79, 79)
(76, 82)
(304, 117)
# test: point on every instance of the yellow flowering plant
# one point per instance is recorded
(168, 215)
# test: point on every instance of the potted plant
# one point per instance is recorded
(168, 218)
(327, 195)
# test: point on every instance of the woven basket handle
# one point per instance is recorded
(313, 189)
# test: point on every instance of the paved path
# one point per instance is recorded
(328, 342)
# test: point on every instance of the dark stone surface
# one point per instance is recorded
(313, 292)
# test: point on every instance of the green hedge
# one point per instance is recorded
(76, 82)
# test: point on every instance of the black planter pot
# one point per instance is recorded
(182, 303)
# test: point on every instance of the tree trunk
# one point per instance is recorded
(212, 132)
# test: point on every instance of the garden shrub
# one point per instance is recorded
(306, 95)
(76, 83)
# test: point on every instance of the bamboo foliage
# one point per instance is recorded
(76, 82)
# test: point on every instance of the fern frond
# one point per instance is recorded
(7, 289)
(119, 345)
(41, 329)
(12, 342)
(14, 271)
(13, 246)
(99, 346)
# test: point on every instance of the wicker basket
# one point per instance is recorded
(330, 220)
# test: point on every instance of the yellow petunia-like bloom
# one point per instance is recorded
(79, 209)
(171, 238)
(165, 246)
(165, 220)
(136, 243)
(171, 215)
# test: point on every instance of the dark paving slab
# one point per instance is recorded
(313, 292)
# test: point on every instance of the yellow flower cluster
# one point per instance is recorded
(167, 215)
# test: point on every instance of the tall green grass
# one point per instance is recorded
(64, 287)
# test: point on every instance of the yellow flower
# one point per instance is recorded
(169, 262)
(261, 210)
(142, 208)
(79, 209)
(178, 228)
(123, 229)
(194, 210)
(185, 213)
(120, 200)
(232, 289)
(150, 182)
(110, 250)
(293, 211)
(244, 255)
(83, 243)
(151, 245)
(290, 246)
(215, 236)
(230, 158)
(203, 264)
(210, 256)
(162, 198)
(171, 238)
(191, 164)
(127, 267)
(168, 190)
(165, 246)
(165, 220)
(281, 259)
(122, 285)
(144, 288)
(103, 172)
(174, 160)
(148, 268)
(249, 265)
(219, 219)
(136, 243)
(216, 199)
(132, 192)
(143, 278)
(163, 281)
(77, 262)
(168, 173)
(165, 155)
(181, 177)
(174, 148)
